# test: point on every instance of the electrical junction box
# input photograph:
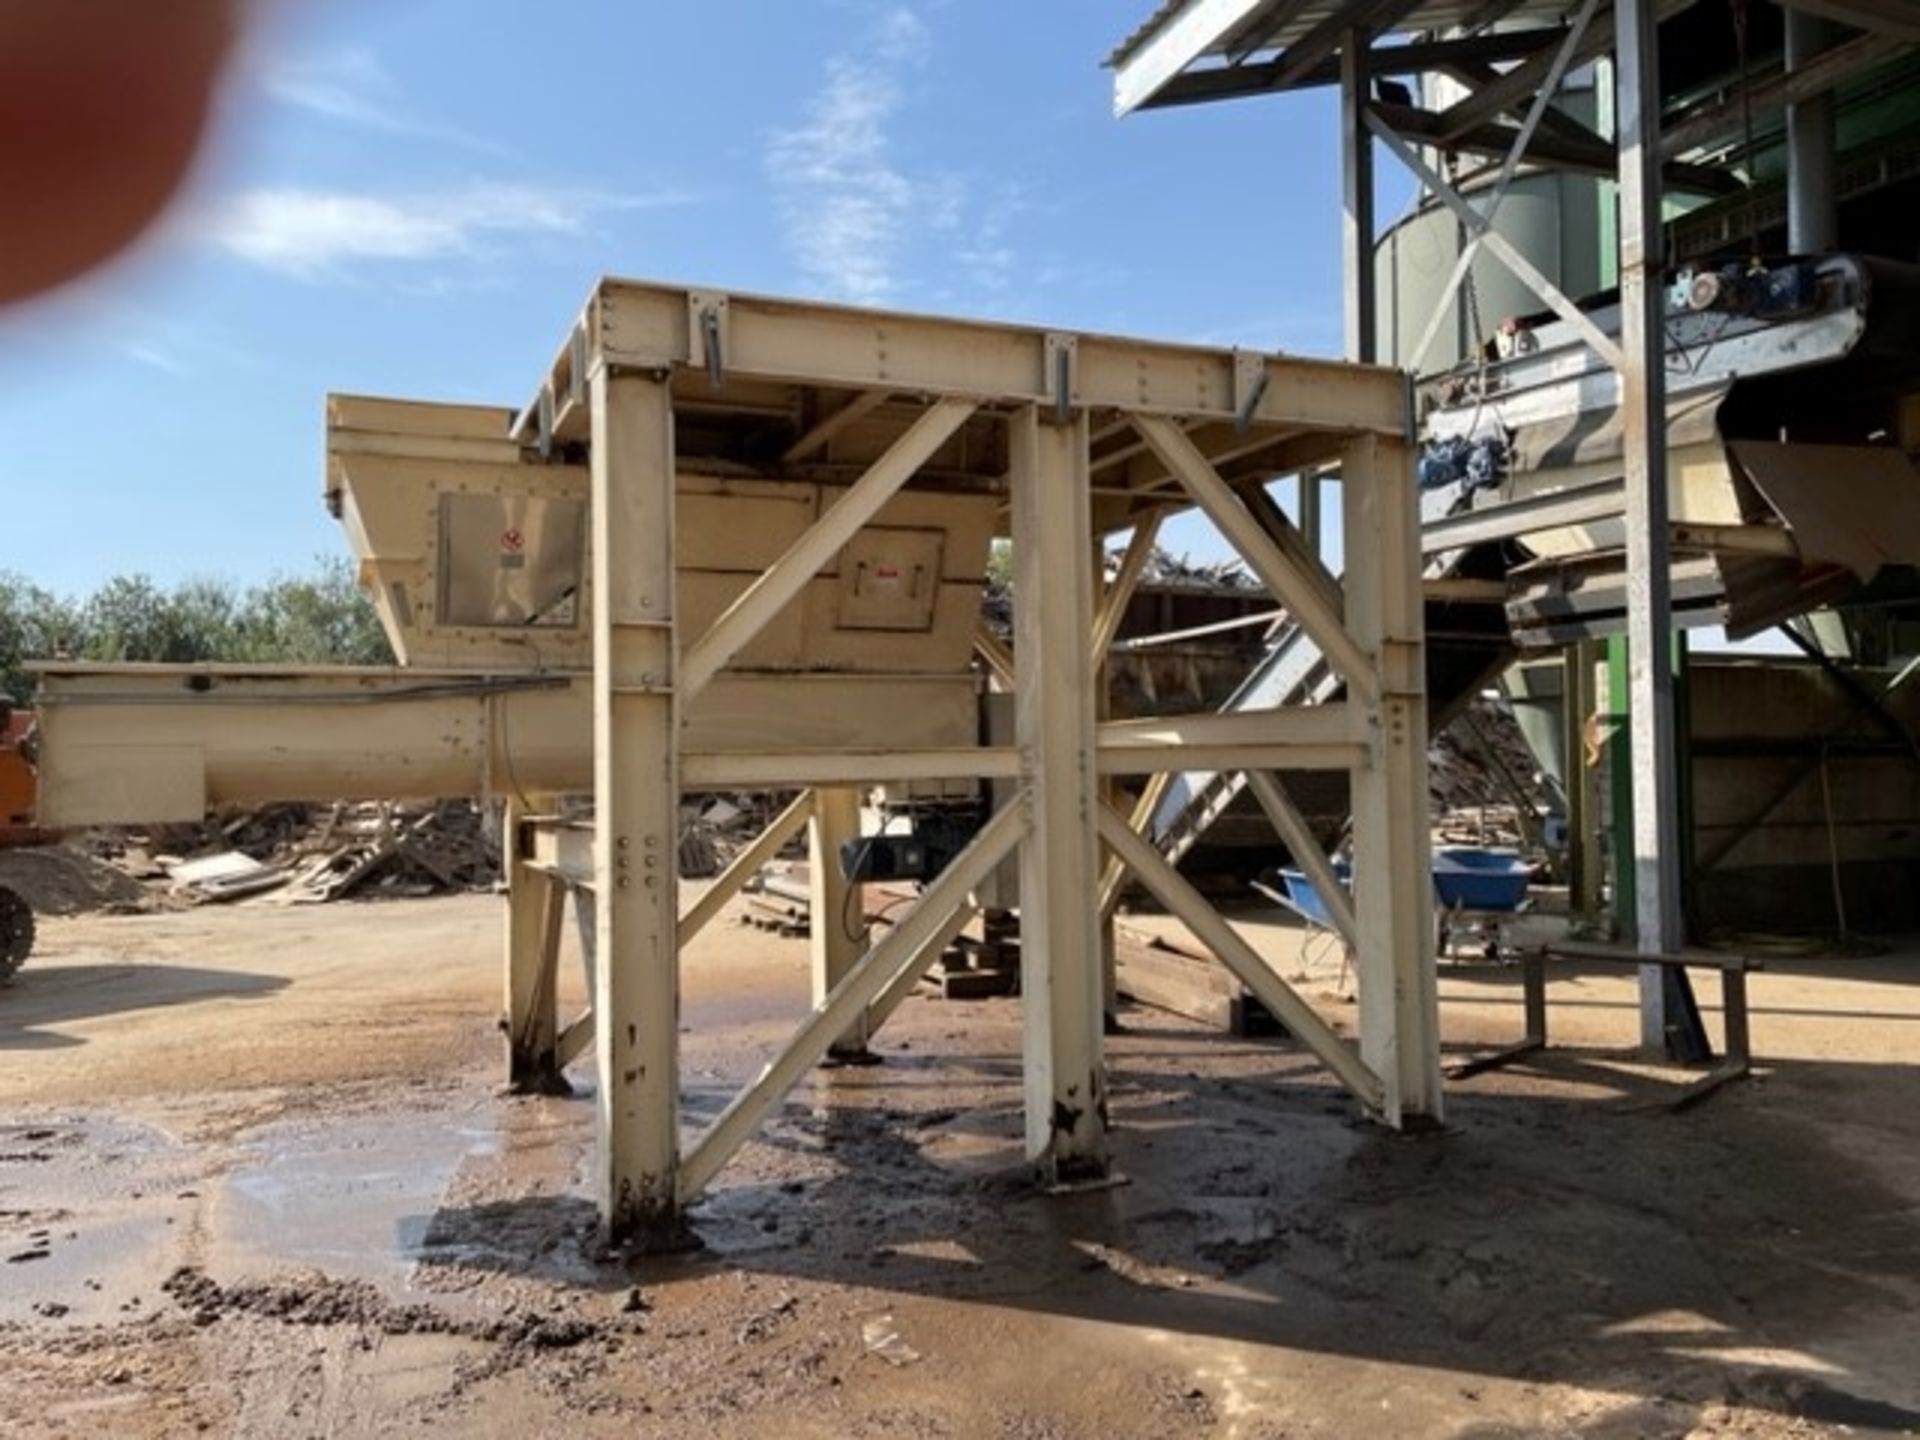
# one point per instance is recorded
(890, 579)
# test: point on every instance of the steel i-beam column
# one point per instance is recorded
(535, 902)
(1061, 990)
(1643, 389)
(1312, 492)
(837, 933)
(1392, 875)
(636, 800)
(1356, 240)
(1813, 211)
(1356, 170)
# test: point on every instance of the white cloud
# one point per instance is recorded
(320, 234)
(901, 37)
(352, 87)
(847, 206)
(154, 357)
(986, 258)
(120, 317)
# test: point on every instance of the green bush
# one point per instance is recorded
(321, 618)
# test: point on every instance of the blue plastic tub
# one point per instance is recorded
(1467, 877)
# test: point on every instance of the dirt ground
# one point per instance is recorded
(255, 1180)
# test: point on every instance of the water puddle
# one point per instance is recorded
(350, 1196)
(378, 1197)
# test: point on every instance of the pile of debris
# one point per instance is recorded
(1485, 785)
(376, 850)
(1163, 567)
(314, 853)
(68, 880)
(714, 828)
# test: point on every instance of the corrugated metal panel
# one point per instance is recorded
(1435, 15)
(1143, 32)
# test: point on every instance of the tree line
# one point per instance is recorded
(319, 618)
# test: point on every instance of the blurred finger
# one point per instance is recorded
(102, 106)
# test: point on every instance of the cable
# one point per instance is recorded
(853, 889)
(506, 754)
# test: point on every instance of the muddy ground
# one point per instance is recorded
(255, 1181)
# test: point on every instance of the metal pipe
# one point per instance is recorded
(1168, 637)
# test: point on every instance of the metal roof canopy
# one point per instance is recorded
(1194, 51)
(1285, 44)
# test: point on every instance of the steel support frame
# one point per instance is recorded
(1062, 994)
(612, 717)
(1392, 863)
(1479, 228)
(644, 675)
(1110, 610)
(1373, 633)
(636, 807)
(1639, 360)
(1643, 391)
(1497, 193)
(641, 324)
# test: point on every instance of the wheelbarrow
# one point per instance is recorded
(1476, 890)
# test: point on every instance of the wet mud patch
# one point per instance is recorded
(92, 1210)
(324, 1300)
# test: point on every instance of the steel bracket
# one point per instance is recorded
(1249, 384)
(1062, 380)
(707, 333)
(544, 419)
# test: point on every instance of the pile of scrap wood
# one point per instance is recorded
(715, 828)
(1486, 786)
(305, 853)
(396, 850)
(1166, 568)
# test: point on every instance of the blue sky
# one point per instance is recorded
(414, 197)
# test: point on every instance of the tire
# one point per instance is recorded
(16, 933)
